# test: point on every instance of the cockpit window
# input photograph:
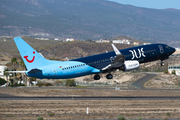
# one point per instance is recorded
(167, 46)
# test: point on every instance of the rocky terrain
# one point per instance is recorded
(164, 81)
(56, 50)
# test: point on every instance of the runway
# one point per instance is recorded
(81, 97)
(10, 97)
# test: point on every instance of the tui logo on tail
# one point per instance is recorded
(30, 61)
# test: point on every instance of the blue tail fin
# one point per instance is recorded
(31, 57)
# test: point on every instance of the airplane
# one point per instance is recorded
(124, 59)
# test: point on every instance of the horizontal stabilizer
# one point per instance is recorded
(35, 71)
(16, 71)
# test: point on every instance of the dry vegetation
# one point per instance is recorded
(119, 78)
(56, 91)
(76, 109)
(164, 81)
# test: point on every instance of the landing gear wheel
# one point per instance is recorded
(97, 77)
(162, 63)
(109, 76)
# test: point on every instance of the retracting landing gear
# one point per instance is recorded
(162, 63)
(109, 76)
(97, 77)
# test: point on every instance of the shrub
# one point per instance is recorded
(70, 83)
(51, 114)
(40, 118)
(145, 69)
(2, 81)
(17, 85)
(47, 84)
(81, 87)
(40, 84)
(58, 82)
(20, 84)
(9, 115)
(174, 72)
(12, 81)
(168, 114)
(121, 118)
(166, 71)
(164, 119)
(139, 118)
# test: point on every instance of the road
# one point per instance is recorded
(140, 83)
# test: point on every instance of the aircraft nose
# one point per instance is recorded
(173, 50)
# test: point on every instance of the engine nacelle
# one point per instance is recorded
(130, 65)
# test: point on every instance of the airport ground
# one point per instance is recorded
(154, 100)
(167, 106)
(98, 109)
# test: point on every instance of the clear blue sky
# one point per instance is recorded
(157, 4)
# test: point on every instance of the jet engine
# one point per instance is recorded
(130, 65)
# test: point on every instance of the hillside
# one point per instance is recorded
(88, 19)
(57, 50)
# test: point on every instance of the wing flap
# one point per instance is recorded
(117, 62)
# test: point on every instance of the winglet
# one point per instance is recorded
(116, 50)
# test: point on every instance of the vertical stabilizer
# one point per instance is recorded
(31, 57)
(116, 50)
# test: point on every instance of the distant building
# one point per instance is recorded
(136, 43)
(102, 41)
(174, 64)
(124, 41)
(69, 39)
(42, 38)
(117, 41)
(146, 43)
(2, 68)
(174, 68)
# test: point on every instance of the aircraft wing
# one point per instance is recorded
(118, 61)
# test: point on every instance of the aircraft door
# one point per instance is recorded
(161, 49)
(54, 71)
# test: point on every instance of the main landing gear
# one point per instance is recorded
(108, 76)
(97, 77)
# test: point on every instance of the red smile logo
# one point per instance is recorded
(30, 61)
